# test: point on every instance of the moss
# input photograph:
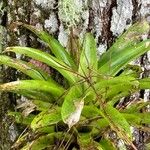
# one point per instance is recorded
(70, 11)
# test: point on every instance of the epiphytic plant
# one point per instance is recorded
(86, 112)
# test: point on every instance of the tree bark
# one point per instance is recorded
(106, 19)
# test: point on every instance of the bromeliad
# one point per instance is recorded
(87, 104)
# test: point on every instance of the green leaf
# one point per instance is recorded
(47, 59)
(117, 122)
(137, 118)
(111, 81)
(120, 59)
(19, 118)
(117, 98)
(107, 145)
(57, 49)
(46, 118)
(72, 106)
(144, 83)
(35, 85)
(41, 106)
(85, 141)
(46, 141)
(46, 129)
(90, 111)
(125, 88)
(99, 126)
(135, 106)
(130, 38)
(132, 70)
(34, 94)
(111, 87)
(88, 58)
(25, 67)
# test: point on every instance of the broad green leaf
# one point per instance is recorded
(85, 141)
(35, 85)
(135, 106)
(46, 118)
(117, 98)
(104, 83)
(107, 145)
(25, 67)
(34, 94)
(19, 118)
(113, 91)
(120, 59)
(88, 58)
(72, 106)
(99, 125)
(144, 83)
(130, 38)
(40, 105)
(57, 49)
(47, 129)
(46, 58)
(117, 122)
(47, 141)
(90, 111)
(137, 118)
(111, 87)
(132, 70)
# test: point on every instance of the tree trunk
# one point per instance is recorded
(106, 19)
